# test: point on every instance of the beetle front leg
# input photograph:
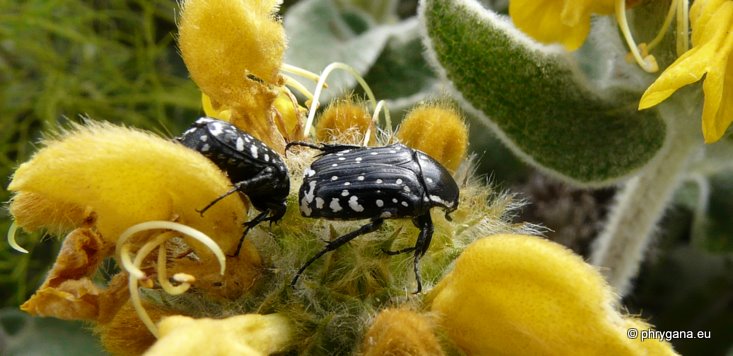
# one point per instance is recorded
(242, 186)
(325, 147)
(249, 225)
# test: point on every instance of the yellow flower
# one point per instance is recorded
(558, 21)
(523, 295)
(712, 46)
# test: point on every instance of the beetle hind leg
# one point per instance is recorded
(340, 241)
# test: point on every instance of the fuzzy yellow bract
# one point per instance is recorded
(401, 332)
(345, 121)
(233, 50)
(557, 21)
(122, 177)
(711, 56)
(249, 334)
(438, 130)
(523, 295)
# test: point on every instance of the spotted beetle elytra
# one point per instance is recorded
(353, 182)
(253, 168)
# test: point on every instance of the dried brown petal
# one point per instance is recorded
(68, 292)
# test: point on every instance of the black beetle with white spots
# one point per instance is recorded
(376, 183)
(255, 169)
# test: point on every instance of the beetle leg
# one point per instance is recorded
(228, 193)
(325, 147)
(421, 245)
(404, 250)
(332, 245)
(303, 144)
(242, 186)
(249, 225)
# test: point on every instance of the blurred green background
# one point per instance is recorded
(63, 60)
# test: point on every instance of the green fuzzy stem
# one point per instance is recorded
(620, 248)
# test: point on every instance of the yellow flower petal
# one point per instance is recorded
(714, 121)
(523, 295)
(123, 177)
(557, 21)
(249, 334)
(210, 111)
(701, 12)
(687, 69)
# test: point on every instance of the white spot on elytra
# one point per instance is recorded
(216, 129)
(374, 153)
(406, 188)
(360, 178)
(309, 173)
(428, 179)
(354, 204)
(334, 178)
(392, 151)
(379, 181)
(335, 165)
(239, 144)
(203, 138)
(347, 183)
(380, 203)
(307, 199)
(394, 200)
(205, 148)
(309, 194)
(385, 215)
(399, 181)
(404, 203)
(335, 206)
(358, 159)
(267, 157)
(345, 193)
(253, 150)
(342, 158)
(319, 203)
